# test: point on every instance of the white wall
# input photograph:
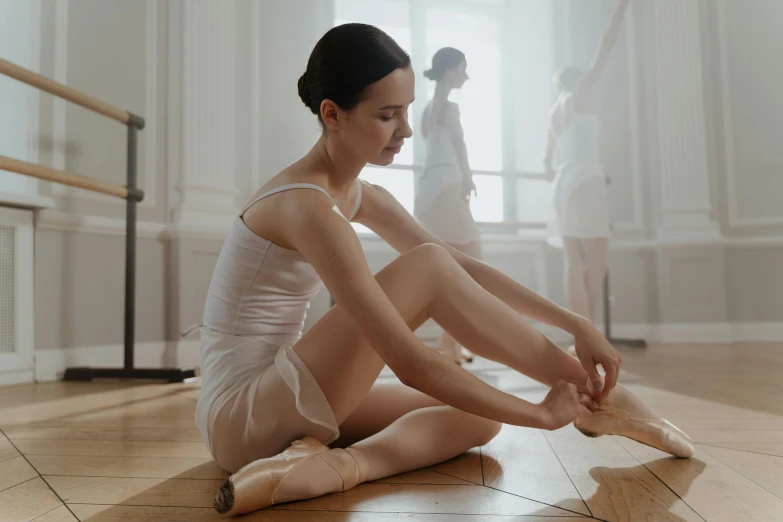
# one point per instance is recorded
(748, 48)
(19, 34)
(131, 54)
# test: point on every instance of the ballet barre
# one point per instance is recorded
(512, 225)
(129, 192)
(509, 174)
(66, 178)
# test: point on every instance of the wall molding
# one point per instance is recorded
(34, 98)
(51, 363)
(68, 222)
(735, 220)
(149, 134)
(636, 225)
(51, 219)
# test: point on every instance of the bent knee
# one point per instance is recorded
(487, 430)
(430, 255)
(483, 430)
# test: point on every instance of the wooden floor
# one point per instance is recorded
(102, 451)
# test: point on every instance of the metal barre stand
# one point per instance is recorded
(128, 372)
(129, 193)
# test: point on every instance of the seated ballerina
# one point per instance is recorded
(295, 416)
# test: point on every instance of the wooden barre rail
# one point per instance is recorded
(511, 224)
(510, 174)
(63, 91)
(67, 178)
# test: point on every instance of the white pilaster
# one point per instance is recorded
(207, 184)
(684, 182)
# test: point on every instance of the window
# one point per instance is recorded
(504, 106)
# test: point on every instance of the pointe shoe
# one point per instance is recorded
(659, 434)
(254, 486)
(463, 356)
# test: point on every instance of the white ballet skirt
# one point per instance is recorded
(439, 207)
(241, 424)
(579, 197)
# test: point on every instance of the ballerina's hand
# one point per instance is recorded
(563, 404)
(593, 350)
(468, 188)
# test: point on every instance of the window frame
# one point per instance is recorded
(498, 9)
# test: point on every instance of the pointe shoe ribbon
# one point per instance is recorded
(660, 433)
(253, 487)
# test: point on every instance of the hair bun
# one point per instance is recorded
(303, 86)
(443, 60)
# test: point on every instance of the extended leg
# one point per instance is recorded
(596, 255)
(576, 277)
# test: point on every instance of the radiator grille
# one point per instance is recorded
(7, 295)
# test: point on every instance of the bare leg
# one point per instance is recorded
(596, 255)
(449, 345)
(425, 282)
(427, 433)
(576, 277)
(384, 403)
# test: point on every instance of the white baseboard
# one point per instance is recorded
(51, 364)
(692, 333)
(757, 332)
(16, 377)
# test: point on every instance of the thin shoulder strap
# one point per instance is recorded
(290, 186)
(358, 203)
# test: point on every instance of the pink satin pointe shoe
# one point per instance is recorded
(256, 485)
(659, 434)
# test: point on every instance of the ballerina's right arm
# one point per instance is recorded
(584, 87)
(326, 239)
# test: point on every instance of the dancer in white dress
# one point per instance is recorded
(580, 214)
(266, 386)
(442, 204)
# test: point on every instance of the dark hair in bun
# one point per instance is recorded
(344, 62)
(443, 60)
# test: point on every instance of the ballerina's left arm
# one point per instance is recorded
(385, 216)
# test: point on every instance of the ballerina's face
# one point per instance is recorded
(375, 130)
(457, 76)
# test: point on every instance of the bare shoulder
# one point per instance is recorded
(379, 208)
(374, 196)
(278, 218)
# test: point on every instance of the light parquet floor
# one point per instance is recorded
(119, 452)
